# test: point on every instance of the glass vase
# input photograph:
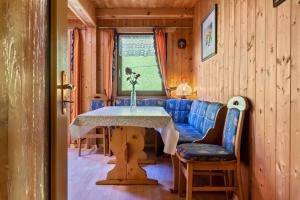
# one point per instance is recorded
(133, 97)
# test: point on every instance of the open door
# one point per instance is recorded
(58, 90)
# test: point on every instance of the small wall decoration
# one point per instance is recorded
(209, 34)
(277, 2)
(181, 43)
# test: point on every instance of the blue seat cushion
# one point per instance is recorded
(179, 109)
(204, 152)
(96, 104)
(187, 133)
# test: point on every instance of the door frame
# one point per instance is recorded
(58, 120)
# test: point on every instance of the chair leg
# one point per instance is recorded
(175, 164)
(210, 179)
(104, 140)
(109, 130)
(79, 148)
(182, 181)
(239, 182)
(155, 143)
(226, 183)
(189, 185)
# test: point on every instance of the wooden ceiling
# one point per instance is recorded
(144, 3)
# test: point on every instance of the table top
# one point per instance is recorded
(141, 116)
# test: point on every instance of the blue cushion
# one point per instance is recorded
(197, 114)
(204, 152)
(210, 116)
(187, 133)
(126, 102)
(153, 102)
(179, 109)
(230, 129)
(96, 104)
(122, 102)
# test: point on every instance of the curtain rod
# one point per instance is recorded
(100, 27)
(77, 28)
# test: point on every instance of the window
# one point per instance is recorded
(137, 51)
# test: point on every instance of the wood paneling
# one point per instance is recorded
(179, 61)
(144, 4)
(24, 121)
(295, 102)
(258, 57)
(144, 13)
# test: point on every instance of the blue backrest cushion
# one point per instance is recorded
(122, 102)
(154, 102)
(210, 116)
(179, 109)
(230, 129)
(197, 114)
(96, 104)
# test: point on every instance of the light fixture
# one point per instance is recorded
(183, 90)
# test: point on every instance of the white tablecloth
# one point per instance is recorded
(143, 116)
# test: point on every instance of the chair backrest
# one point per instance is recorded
(97, 103)
(197, 114)
(211, 115)
(122, 102)
(232, 134)
(179, 109)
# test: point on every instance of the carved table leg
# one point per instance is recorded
(127, 144)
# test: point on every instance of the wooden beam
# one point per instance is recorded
(146, 23)
(84, 10)
(144, 13)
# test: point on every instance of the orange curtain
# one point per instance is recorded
(161, 50)
(76, 65)
(108, 62)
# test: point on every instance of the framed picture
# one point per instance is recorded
(209, 34)
(277, 2)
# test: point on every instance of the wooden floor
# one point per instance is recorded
(84, 171)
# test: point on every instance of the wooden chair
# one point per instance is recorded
(100, 132)
(209, 159)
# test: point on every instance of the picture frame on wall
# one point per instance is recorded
(277, 2)
(209, 34)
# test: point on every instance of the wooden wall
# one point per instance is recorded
(24, 121)
(179, 61)
(258, 57)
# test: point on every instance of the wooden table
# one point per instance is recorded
(127, 142)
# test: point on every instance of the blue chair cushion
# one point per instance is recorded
(197, 114)
(230, 129)
(153, 102)
(210, 116)
(179, 109)
(204, 152)
(187, 133)
(96, 104)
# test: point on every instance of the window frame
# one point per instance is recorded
(119, 66)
